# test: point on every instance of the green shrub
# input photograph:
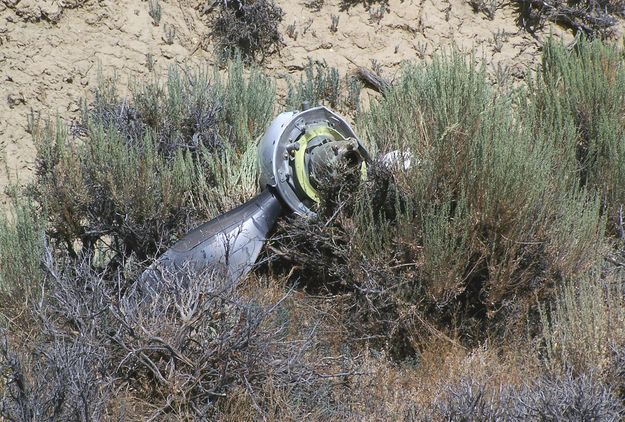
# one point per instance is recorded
(21, 248)
(319, 84)
(472, 155)
(142, 172)
(248, 102)
(322, 85)
(514, 169)
(585, 89)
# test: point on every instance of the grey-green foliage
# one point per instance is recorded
(577, 240)
(446, 248)
(145, 170)
(504, 198)
(538, 171)
(439, 103)
(319, 84)
(21, 247)
(248, 101)
(585, 88)
(154, 10)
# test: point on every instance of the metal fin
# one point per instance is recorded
(230, 242)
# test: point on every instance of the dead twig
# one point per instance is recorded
(373, 80)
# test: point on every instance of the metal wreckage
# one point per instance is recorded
(297, 153)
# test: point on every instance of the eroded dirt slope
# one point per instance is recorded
(51, 51)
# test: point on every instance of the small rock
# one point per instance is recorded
(73, 4)
(518, 71)
(362, 43)
(28, 10)
(294, 67)
(15, 99)
(41, 94)
(73, 107)
(51, 11)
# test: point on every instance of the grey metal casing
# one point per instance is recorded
(275, 166)
(231, 241)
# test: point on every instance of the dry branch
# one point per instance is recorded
(373, 80)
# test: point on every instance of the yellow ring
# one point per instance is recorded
(301, 175)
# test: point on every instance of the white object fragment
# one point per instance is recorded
(398, 160)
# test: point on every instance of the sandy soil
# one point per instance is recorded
(51, 51)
